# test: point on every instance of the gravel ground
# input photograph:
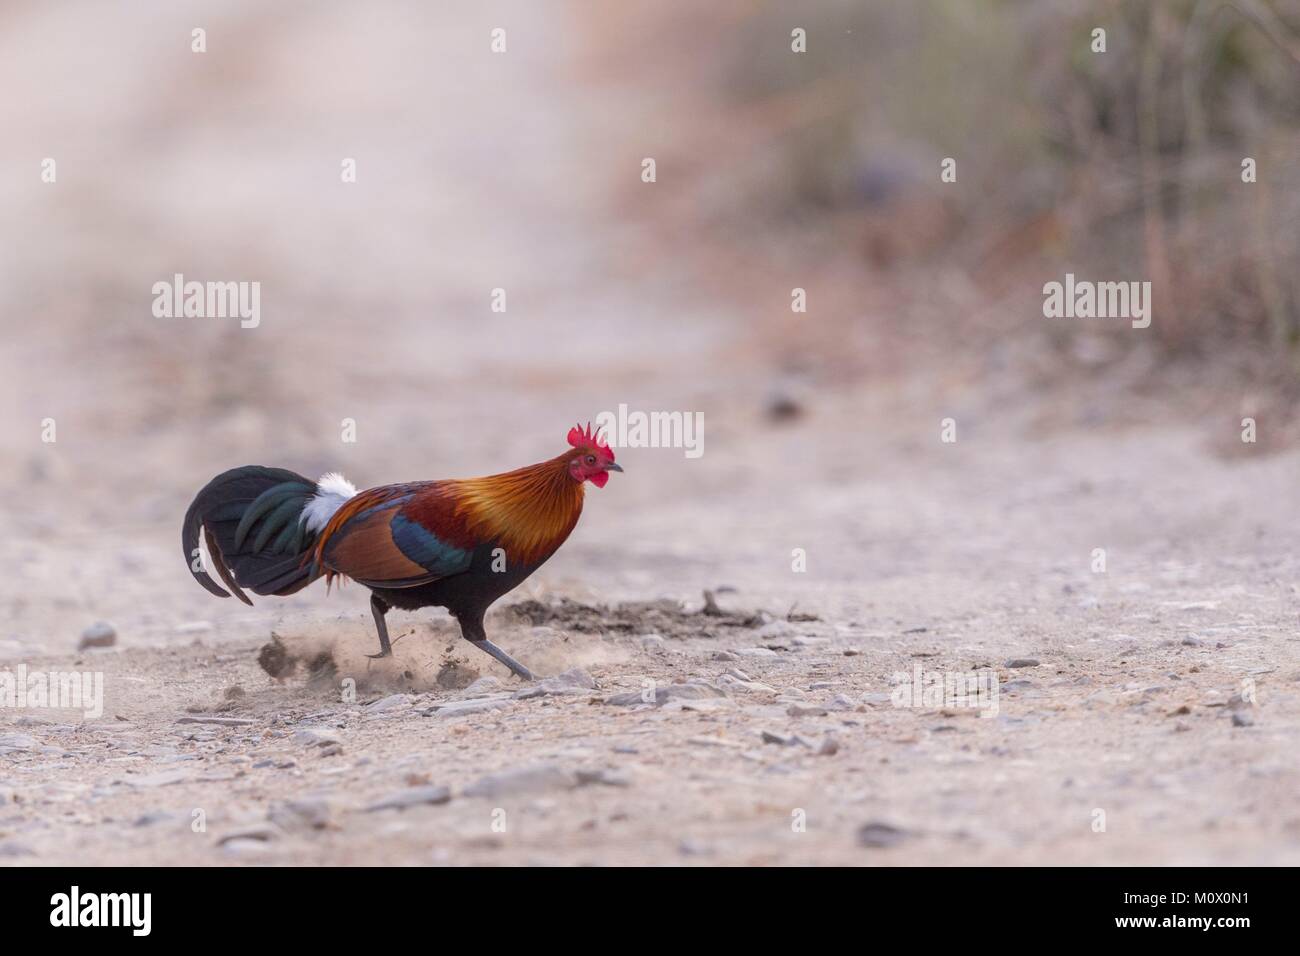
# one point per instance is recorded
(1144, 715)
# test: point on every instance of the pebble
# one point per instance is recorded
(806, 710)
(257, 833)
(12, 848)
(316, 736)
(774, 629)
(725, 656)
(877, 835)
(602, 776)
(829, 746)
(792, 740)
(1022, 662)
(534, 779)
(756, 652)
(462, 708)
(391, 702)
(309, 813)
(843, 702)
(667, 692)
(18, 742)
(412, 797)
(154, 817)
(573, 681)
(217, 721)
(728, 682)
(483, 687)
(1243, 718)
(99, 634)
(164, 779)
(245, 845)
(653, 643)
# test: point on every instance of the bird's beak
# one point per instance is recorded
(614, 466)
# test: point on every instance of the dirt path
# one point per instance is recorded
(949, 564)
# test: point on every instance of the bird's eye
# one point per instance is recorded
(591, 459)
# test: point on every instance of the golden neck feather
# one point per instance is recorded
(530, 510)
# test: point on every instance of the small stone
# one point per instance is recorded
(310, 813)
(259, 833)
(829, 746)
(462, 708)
(164, 779)
(483, 687)
(315, 736)
(535, 779)
(877, 835)
(793, 740)
(12, 848)
(217, 721)
(667, 692)
(99, 634)
(602, 776)
(1190, 641)
(573, 681)
(1243, 718)
(154, 817)
(1022, 662)
(756, 652)
(806, 710)
(652, 642)
(843, 702)
(774, 629)
(18, 742)
(851, 652)
(724, 656)
(391, 702)
(244, 846)
(412, 797)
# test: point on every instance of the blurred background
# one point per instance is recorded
(522, 171)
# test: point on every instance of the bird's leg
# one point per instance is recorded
(379, 608)
(472, 631)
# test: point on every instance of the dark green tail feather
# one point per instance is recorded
(229, 508)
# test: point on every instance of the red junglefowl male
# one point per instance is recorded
(458, 544)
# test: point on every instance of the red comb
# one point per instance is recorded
(580, 438)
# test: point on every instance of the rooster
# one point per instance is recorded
(458, 544)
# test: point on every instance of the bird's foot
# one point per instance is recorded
(386, 652)
(519, 670)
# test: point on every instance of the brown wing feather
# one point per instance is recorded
(364, 550)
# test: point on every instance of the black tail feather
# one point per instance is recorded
(228, 509)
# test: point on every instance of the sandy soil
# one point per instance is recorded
(961, 561)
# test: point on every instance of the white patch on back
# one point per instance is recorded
(331, 492)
